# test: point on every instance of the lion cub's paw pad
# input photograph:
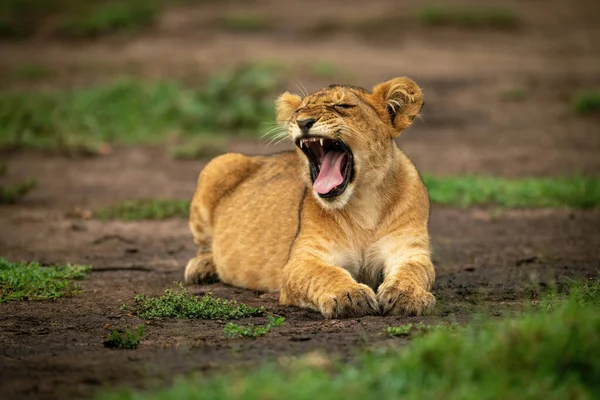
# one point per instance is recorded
(398, 300)
(348, 302)
(200, 270)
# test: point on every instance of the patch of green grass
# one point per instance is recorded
(199, 148)
(461, 191)
(185, 305)
(587, 102)
(552, 353)
(12, 193)
(74, 18)
(246, 22)
(31, 72)
(415, 329)
(469, 17)
(586, 292)
(31, 281)
(401, 330)
(514, 94)
(127, 339)
(577, 192)
(112, 17)
(134, 210)
(23, 18)
(132, 112)
(234, 330)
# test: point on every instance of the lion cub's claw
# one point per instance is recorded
(348, 302)
(201, 269)
(404, 300)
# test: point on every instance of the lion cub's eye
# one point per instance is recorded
(344, 105)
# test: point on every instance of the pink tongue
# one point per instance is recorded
(330, 175)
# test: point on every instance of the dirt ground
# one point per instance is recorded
(486, 260)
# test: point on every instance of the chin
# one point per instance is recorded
(335, 203)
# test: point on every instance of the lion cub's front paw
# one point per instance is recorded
(349, 301)
(201, 269)
(401, 299)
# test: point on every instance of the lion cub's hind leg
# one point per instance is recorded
(201, 269)
(218, 178)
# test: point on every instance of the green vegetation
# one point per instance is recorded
(111, 17)
(74, 18)
(246, 22)
(12, 193)
(551, 351)
(31, 281)
(587, 102)
(387, 25)
(401, 330)
(586, 293)
(132, 112)
(469, 17)
(184, 305)
(31, 72)
(578, 192)
(415, 329)
(465, 191)
(514, 94)
(23, 18)
(200, 147)
(127, 339)
(234, 330)
(134, 210)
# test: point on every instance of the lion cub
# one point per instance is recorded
(339, 225)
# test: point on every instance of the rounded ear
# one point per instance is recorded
(285, 106)
(402, 99)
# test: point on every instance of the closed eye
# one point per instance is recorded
(344, 105)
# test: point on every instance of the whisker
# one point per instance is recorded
(275, 135)
(278, 139)
(300, 87)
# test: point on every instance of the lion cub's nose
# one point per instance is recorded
(306, 124)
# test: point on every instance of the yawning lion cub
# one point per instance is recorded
(339, 225)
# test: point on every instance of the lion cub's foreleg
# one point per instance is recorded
(311, 283)
(408, 276)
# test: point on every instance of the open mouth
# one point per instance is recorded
(331, 164)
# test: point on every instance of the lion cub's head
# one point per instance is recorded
(345, 134)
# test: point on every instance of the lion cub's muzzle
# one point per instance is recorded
(331, 164)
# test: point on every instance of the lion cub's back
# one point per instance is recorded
(254, 225)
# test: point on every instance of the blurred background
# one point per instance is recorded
(505, 83)
(105, 101)
(110, 109)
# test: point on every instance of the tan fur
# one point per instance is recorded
(259, 224)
